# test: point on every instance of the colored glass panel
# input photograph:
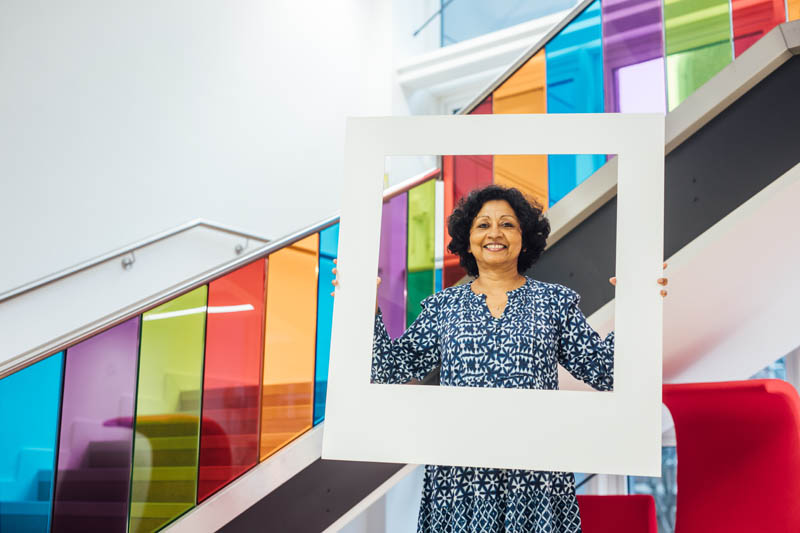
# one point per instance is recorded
(633, 56)
(467, 19)
(524, 92)
(461, 175)
(168, 399)
(392, 264)
(574, 60)
(328, 250)
(287, 404)
(698, 44)
(793, 9)
(421, 213)
(752, 19)
(231, 378)
(29, 407)
(96, 440)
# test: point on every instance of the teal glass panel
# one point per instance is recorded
(698, 41)
(29, 408)
(574, 60)
(421, 249)
(168, 400)
(328, 248)
(664, 489)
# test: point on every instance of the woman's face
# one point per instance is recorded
(495, 238)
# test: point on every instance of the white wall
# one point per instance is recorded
(119, 119)
(394, 512)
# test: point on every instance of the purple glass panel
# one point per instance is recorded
(94, 454)
(633, 56)
(392, 264)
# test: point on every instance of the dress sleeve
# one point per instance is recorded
(412, 355)
(581, 350)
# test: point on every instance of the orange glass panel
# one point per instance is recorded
(524, 92)
(287, 405)
(232, 378)
(794, 9)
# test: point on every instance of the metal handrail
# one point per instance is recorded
(58, 344)
(120, 252)
(525, 56)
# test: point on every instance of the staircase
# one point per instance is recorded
(222, 458)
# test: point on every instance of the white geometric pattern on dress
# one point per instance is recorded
(540, 327)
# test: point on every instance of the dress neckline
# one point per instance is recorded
(528, 281)
(511, 295)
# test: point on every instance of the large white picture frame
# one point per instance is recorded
(615, 432)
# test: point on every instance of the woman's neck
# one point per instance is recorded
(498, 280)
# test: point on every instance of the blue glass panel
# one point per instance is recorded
(328, 248)
(664, 489)
(466, 19)
(575, 85)
(29, 407)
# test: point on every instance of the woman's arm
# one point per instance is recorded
(412, 355)
(581, 350)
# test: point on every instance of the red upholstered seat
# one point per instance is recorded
(738, 456)
(618, 514)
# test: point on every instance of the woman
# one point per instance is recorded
(500, 330)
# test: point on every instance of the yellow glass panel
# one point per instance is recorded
(287, 402)
(524, 92)
(794, 9)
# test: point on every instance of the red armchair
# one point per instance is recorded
(738, 456)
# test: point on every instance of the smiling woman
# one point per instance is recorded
(506, 330)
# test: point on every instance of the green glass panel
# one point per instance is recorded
(698, 41)
(419, 286)
(421, 250)
(165, 449)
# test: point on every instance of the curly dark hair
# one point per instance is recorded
(535, 227)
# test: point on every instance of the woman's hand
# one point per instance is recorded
(661, 281)
(335, 283)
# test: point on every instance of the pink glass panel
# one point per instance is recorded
(392, 264)
(95, 442)
(232, 378)
(633, 56)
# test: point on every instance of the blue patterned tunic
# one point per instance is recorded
(540, 327)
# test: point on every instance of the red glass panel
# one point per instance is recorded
(232, 378)
(462, 174)
(754, 18)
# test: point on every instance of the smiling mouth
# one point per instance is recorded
(495, 247)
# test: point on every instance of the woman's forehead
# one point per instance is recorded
(496, 208)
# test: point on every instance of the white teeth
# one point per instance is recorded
(494, 247)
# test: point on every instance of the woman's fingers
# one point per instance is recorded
(663, 293)
(613, 281)
(663, 281)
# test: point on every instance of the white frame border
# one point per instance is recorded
(616, 432)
